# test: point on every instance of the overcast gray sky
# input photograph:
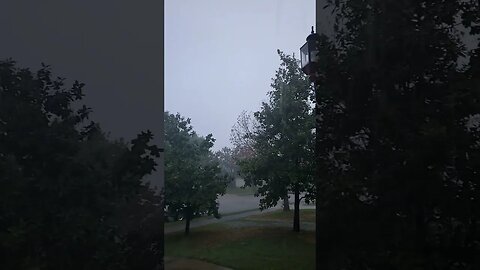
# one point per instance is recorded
(220, 56)
(113, 46)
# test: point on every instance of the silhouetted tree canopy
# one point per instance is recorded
(399, 107)
(70, 198)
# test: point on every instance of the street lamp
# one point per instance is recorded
(309, 55)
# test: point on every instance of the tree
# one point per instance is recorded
(241, 136)
(227, 163)
(282, 141)
(193, 179)
(399, 161)
(68, 194)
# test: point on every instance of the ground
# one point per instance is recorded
(233, 207)
(261, 241)
(185, 264)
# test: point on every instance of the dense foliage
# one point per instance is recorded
(399, 103)
(193, 178)
(70, 198)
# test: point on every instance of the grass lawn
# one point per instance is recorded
(246, 247)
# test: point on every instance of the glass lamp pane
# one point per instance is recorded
(304, 55)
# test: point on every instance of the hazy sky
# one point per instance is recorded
(220, 56)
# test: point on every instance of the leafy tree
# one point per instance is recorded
(69, 196)
(193, 178)
(282, 141)
(398, 146)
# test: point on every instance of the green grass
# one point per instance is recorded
(306, 215)
(241, 191)
(245, 247)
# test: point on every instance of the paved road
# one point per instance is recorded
(231, 203)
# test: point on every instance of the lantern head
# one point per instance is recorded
(309, 54)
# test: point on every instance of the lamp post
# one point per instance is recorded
(309, 60)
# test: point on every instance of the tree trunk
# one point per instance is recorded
(188, 217)
(286, 204)
(296, 211)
